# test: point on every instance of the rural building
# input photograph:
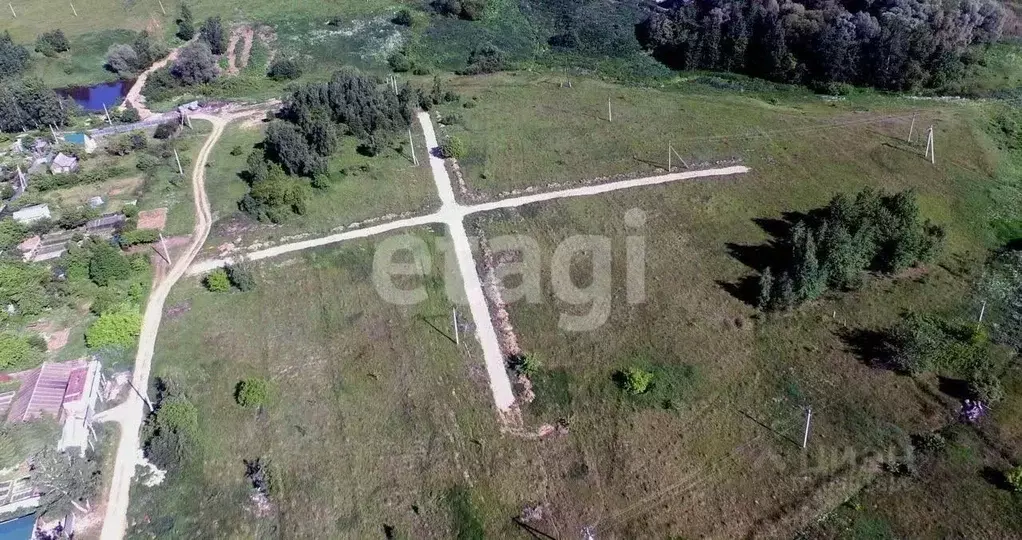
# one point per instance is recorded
(66, 391)
(64, 164)
(104, 225)
(29, 247)
(40, 146)
(95, 202)
(31, 214)
(81, 139)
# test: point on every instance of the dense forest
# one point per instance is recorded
(890, 44)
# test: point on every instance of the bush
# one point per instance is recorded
(194, 65)
(635, 380)
(217, 281)
(16, 352)
(177, 414)
(403, 18)
(241, 277)
(486, 59)
(52, 43)
(38, 342)
(118, 328)
(452, 148)
(525, 364)
(137, 236)
(166, 130)
(107, 264)
(1014, 478)
(237, 150)
(185, 24)
(252, 392)
(129, 116)
(284, 69)
(399, 62)
(13, 57)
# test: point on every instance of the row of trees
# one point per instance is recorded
(894, 44)
(128, 60)
(835, 246)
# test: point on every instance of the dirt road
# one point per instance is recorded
(134, 98)
(115, 522)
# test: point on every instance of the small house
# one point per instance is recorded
(41, 146)
(83, 140)
(64, 164)
(31, 214)
(104, 225)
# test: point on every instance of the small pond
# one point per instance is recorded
(93, 98)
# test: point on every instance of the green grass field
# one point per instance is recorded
(390, 184)
(377, 419)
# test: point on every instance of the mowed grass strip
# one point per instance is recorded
(376, 418)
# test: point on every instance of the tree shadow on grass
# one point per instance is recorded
(773, 253)
(871, 347)
(996, 478)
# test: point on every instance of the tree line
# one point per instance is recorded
(891, 44)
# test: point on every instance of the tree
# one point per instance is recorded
(27, 102)
(766, 287)
(107, 264)
(11, 234)
(403, 18)
(177, 413)
(286, 145)
(185, 24)
(252, 392)
(166, 130)
(241, 276)
(212, 32)
(22, 285)
(274, 197)
(17, 353)
(52, 43)
(1014, 478)
(635, 380)
(122, 59)
(119, 328)
(217, 281)
(13, 57)
(485, 59)
(65, 479)
(452, 148)
(21, 439)
(195, 65)
(284, 69)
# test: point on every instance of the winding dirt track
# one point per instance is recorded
(116, 519)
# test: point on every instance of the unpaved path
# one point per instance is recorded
(115, 523)
(134, 98)
(452, 214)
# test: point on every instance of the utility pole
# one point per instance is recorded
(930, 153)
(454, 318)
(107, 113)
(166, 254)
(911, 128)
(178, 159)
(54, 133)
(982, 312)
(411, 144)
(161, 7)
(12, 11)
(670, 151)
(610, 113)
(73, 10)
(809, 418)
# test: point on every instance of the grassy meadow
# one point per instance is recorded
(377, 420)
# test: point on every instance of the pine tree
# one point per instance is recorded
(766, 287)
(185, 24)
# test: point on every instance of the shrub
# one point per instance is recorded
(635, 380)
(252, 392)
(1014, 478)
(486, 59)
(122, 59)
(166, 130)
(237, 150)
(985, 385)
(194, 65)
(284, 69)
(107, 264)
(241, 277)
(16, 352)
(403, 18)
(525, 364)
(399, 62)
(137, 236)
(118, 328)
(52, 43)
(177, 414)
(217, 281)
(452, 148)
(129, 115)
(38, 342)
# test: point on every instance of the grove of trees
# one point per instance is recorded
(833, 247)
(892, 44)
(130, 60)
(28, 103)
